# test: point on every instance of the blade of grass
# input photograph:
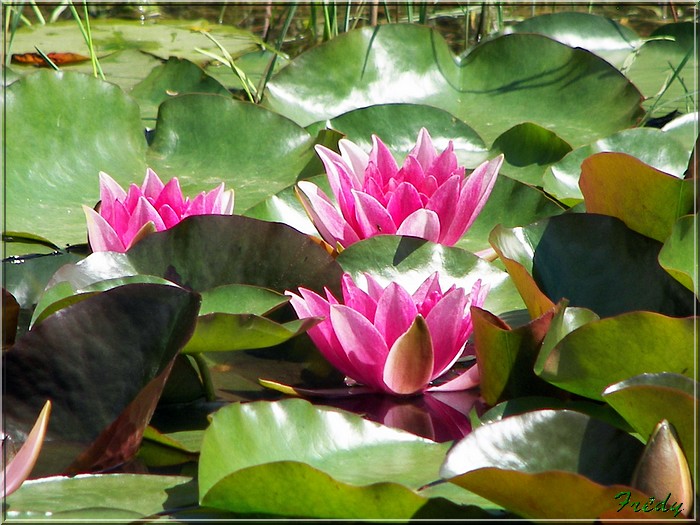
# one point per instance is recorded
(667, 84)
(37, 13)
(46, 59)
(96, 68)
(278, 48)
(248, 86)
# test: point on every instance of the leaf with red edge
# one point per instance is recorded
(92, 360)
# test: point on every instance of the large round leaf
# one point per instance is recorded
(100, 497)
(94, 360)
(646, 399)
(678, 253)
(592, 260)
(647, 200)
(206, 139)
(546, 464)
(355, 468)
(501, 83)
(658, 149)
(65, 128)
(605, 37)
(409, 261)
(596, 355)
(398, 126)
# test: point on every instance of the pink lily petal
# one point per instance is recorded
(133, 195)
(463, 381)
(110, 192)
(477, 297)
(197, 206)
(444, 201)
(372, 187)
(445, 323)
(403, 202)
(152, 185)
(374, 289)
(421, 223)
(355, 157)
(212, 197)
(445, 165)
(310, 304)
(143, 212)
(372, 217)
(101, 235)
(324, 215)
(120, 220)
(409, 365)
(226, 202)
(363, 344)
(412, 172)
(429, 286)
(342, 180)
(358, 299)
(424, 150)
(20, 467)
(172, 196)
(144, 231)
(382, 158)
(170, 218)
(396, 312)
(472, 198)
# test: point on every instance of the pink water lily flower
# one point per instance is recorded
(390, 340)
(428, 197)
(125, 217)
(20, 467)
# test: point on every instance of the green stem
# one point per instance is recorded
(209, 390)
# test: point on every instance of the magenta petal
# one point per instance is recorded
(382, 158)
(473, 196)
(409, 365)
(152, 185)
(20, 467)
(463, 381)
(133, 195)
(374, 289)
(332, 227)
(355, 157)
(342, 180)
(110, 192)
(445, 165)
(101, 235)
(142, 214)
(395, 313)
(170, 218)
(444, 202)
(427, 287)
(211, 198)
(412, 172)
(372, 217)
(403, 202)
(421, 223)
(445, 322)
(172, 196)
(424, 150)
(363, 344)
(358, 299)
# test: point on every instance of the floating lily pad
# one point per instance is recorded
(546, 464)
(676, 256)
(659, 149)
(592, 260)
(409, 261)
(647, 200)
(603, 352)
(502, 82)
(646, 399)
(603, 36)
(48, 178)
(356, 468)
(111, 349)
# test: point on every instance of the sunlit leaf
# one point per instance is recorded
(676, 256)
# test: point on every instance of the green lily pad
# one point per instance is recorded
(190, 143)
(546, 464)
(58, 147)
(409, 261)
(506, 356)
(683, 129)
(207, 251)
(175, 77)
(603, 36)
(503, 82)
(398, 126)
(659, 149)
(647, 200)
(676, 256)
(646, 399)
(114, 350)
(220, 332)
(603, 352)
(100, 497)
(653, 67)
(594, 261)
(241, 299)
(528, 150)
(356, 468)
